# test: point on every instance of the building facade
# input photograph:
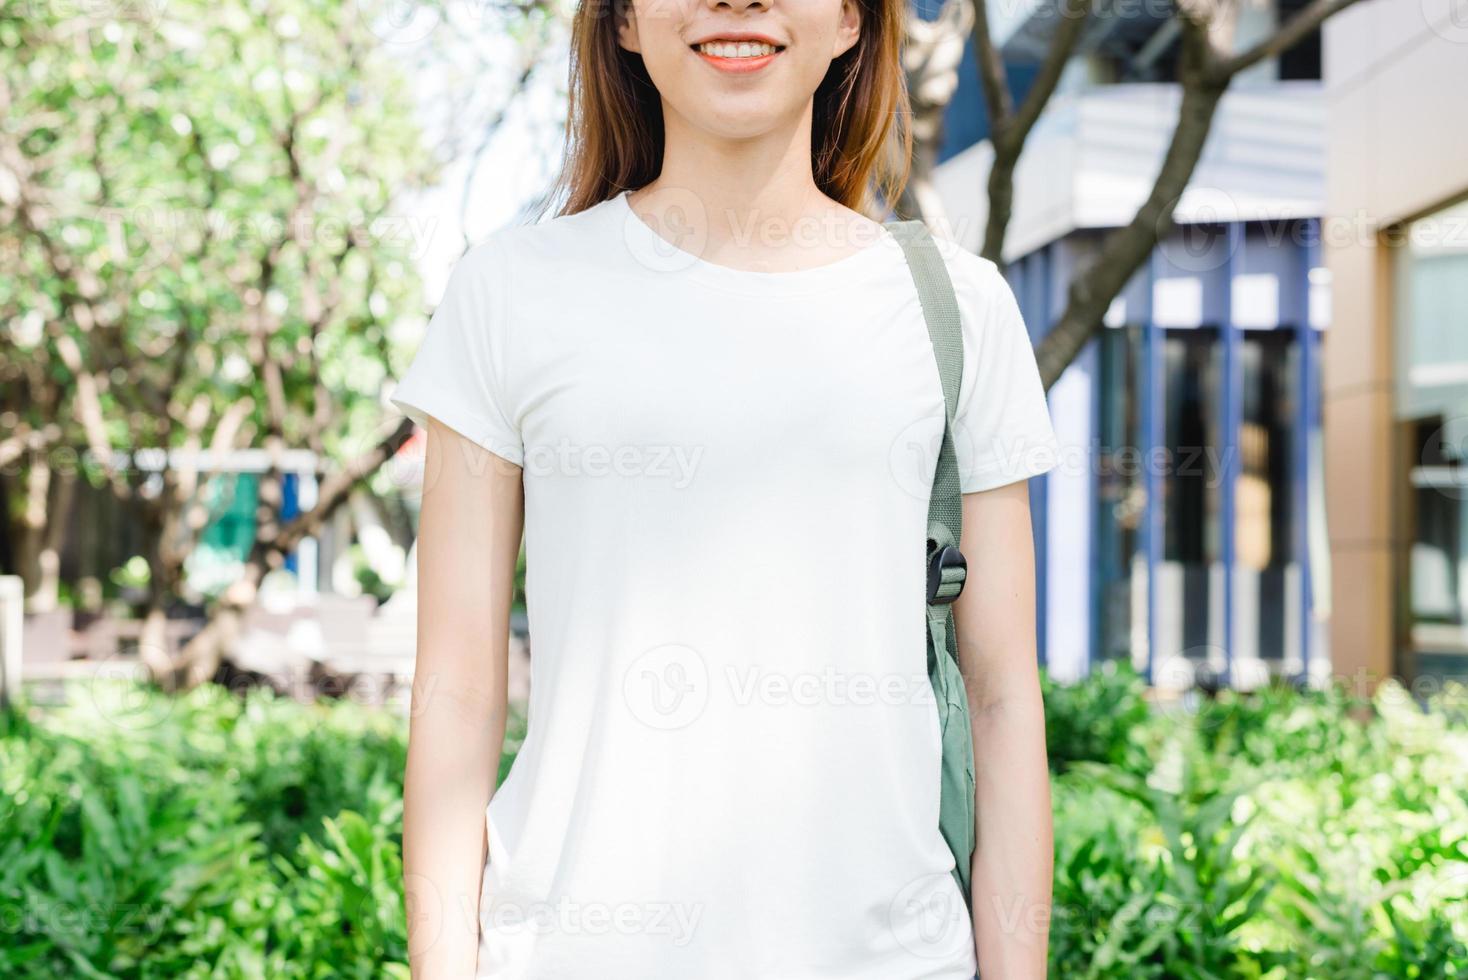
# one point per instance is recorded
(1396, 370)
(1193, 489)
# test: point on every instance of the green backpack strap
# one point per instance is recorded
(946, 567)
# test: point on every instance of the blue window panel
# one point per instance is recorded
(290, 506)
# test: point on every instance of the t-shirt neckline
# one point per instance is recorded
(657, 254)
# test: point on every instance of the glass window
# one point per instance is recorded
(1432, 316)
(1432, 402)
(1265, 553)
(1119, 490)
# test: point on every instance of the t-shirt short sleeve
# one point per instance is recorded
(1002, 426)
(458, 375)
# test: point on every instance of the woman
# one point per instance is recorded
(706, 392)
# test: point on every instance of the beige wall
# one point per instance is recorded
(1397, 146)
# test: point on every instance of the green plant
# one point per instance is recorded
(341, 904)
(240, 837)
(1285, 835)
(1185, 920)
(1104, 718)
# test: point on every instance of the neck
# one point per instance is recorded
(753, 199)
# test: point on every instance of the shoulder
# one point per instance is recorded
(985, 298)
(970, 271)
(526, 254)
(557, 240)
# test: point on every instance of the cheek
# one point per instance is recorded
(667, 59)
(809, 61)
(661, 25)
(663, 52)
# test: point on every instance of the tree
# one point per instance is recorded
(1207, 66)
(930, 60)
(200, 252)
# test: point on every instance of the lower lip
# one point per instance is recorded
(738, 66)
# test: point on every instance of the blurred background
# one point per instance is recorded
(1238, 232)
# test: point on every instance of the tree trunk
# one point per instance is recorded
(933, 52)
(40, 528)
(47, 593)
(1125, 250)
(210, 647)
(164, 575)
(153, 643)
(31, 531)
(1001, 204)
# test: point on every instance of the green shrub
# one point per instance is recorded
(205, 835)
(1103, 719)
(1272, 835)
(1277, 835)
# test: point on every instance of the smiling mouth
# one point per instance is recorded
(734, 50)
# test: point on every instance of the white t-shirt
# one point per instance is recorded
(731, 768)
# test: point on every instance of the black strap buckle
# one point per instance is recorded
(947, 571)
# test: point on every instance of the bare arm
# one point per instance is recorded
(995, 620)
(468, 543)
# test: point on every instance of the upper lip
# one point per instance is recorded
(737, 36)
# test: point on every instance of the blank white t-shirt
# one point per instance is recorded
(732, 762)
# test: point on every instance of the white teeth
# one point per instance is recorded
(742, 49)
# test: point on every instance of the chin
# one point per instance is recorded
(735, 118)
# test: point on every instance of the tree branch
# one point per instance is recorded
(1073, 15)
(997, 97)
(1125, 249)
(333, 492)
(1292, 32)
(1008, 135)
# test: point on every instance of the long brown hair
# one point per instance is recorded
(861, 137)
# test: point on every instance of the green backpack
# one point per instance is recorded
(945, 564)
